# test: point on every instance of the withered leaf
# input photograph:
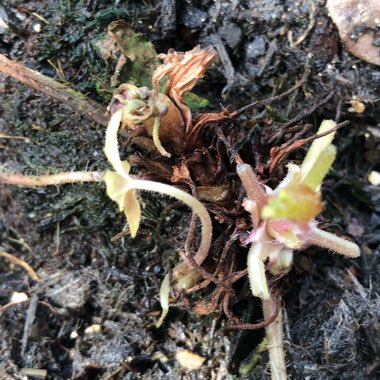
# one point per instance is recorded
(183, 71)
(180, 173)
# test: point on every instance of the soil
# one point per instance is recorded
(331, 305)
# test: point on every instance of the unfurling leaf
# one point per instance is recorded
(132, 211)
(296, 202)
(284, 232)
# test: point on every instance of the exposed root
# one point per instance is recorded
(15, 260)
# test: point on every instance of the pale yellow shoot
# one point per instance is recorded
(164, 299)
(132, 211)
(120, 190)
(111, 148)
(284, 262)
(156, 138)
(119, 184)
(312, 170)
(256, 272)
(316, 175)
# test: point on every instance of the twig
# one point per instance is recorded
(29, 319)
(15, 260)
(6, 306)
(278, 154)
(6, 136)
(52, 88)
(269, 318)
(229, 71)
(53, 179)
(311, 110)
(272, 98)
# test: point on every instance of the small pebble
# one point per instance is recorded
(93, 329)
(37, 27)
(19, 297)
(189, 361)
(374, 178)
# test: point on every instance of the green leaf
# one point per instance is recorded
(194, 101)
(296, 202)
(141, 53)
(317, 173)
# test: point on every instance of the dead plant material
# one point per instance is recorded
(273, 99)
(269, 318)
(308, 29)
(6, 136)
(50, 87)
(279, 154)
(183, 71)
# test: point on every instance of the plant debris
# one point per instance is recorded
(266, 97)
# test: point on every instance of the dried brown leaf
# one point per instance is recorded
(183, 71)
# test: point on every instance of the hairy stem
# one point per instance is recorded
(275, 342)
(52, 179)
(251, 184)
(256, 271)
(332, 242)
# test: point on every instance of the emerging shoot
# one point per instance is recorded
(287, 219)
(122, 188)
(284, 220)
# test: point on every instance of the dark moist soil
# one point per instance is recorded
(332, 328)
